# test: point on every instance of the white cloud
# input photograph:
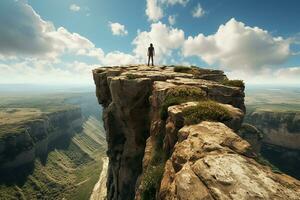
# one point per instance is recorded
(118, 29)
(198, 11)
(25, 32)
(239, 47)
(46, 72)
(119, 58)
(74, 7)
(288, 75)
(164, 39)
(173, 2)
(282, 76)
(172, 19)
(154, 10)
(28, 35)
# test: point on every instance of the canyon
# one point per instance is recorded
(52, 144)
(28, 139)
(173, 133)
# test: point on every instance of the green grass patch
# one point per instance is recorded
(154, 173)
(131, 76)
(182, 69)
(205, 111)
(234, 83)
(151, 181)
(180, 95)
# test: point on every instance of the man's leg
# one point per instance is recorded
(152, 60)
(148, 60)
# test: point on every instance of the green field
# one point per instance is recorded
(273, 99)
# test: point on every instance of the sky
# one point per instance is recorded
(60, 42)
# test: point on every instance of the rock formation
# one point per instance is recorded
(279, 128)
(281, 137)
(26, 140)
(171, 135)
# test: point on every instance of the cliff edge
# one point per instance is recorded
(171, 134)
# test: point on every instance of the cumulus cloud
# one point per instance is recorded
(172, 19)
(198, 11)
(118, 29)
(154, 10)
(45, 72)
(173, 2)
(74, 7)
(281, 76)
(288, 75)
(25, 33)
(236, 46)
(119, 58)
(164, 39)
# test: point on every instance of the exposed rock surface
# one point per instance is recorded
(202, 161)
(34, 136)
(211, 158)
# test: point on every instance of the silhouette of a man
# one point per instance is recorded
(151, 53)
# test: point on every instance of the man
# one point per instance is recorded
(151, 53)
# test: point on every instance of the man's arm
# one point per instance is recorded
(153, 52)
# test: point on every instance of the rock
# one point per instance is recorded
(212, 154)
(252, 135)
(207, 160)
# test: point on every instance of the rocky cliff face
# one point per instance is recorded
(171, 135)
(30, 139)
(279, 128)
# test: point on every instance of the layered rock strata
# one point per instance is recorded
(205, 160)
(35, 135)
(278, 127)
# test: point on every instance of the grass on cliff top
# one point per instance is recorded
(205, 111)
(180, 95)
(182, 69)
(131, 76)
(234, 83)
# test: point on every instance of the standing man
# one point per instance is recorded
(151, 53)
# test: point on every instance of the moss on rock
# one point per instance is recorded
(180, 95)
(205, 111)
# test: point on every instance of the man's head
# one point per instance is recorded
(151, 45)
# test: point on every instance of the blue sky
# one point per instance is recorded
(61, 41)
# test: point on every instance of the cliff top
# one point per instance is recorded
(164, 73)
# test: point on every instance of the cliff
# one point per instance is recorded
(30, 132)
(171, 135)
(281, 128)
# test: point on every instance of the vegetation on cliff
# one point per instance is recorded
(205, 111)
(178, 95)
(154, 172)
(234, 83)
